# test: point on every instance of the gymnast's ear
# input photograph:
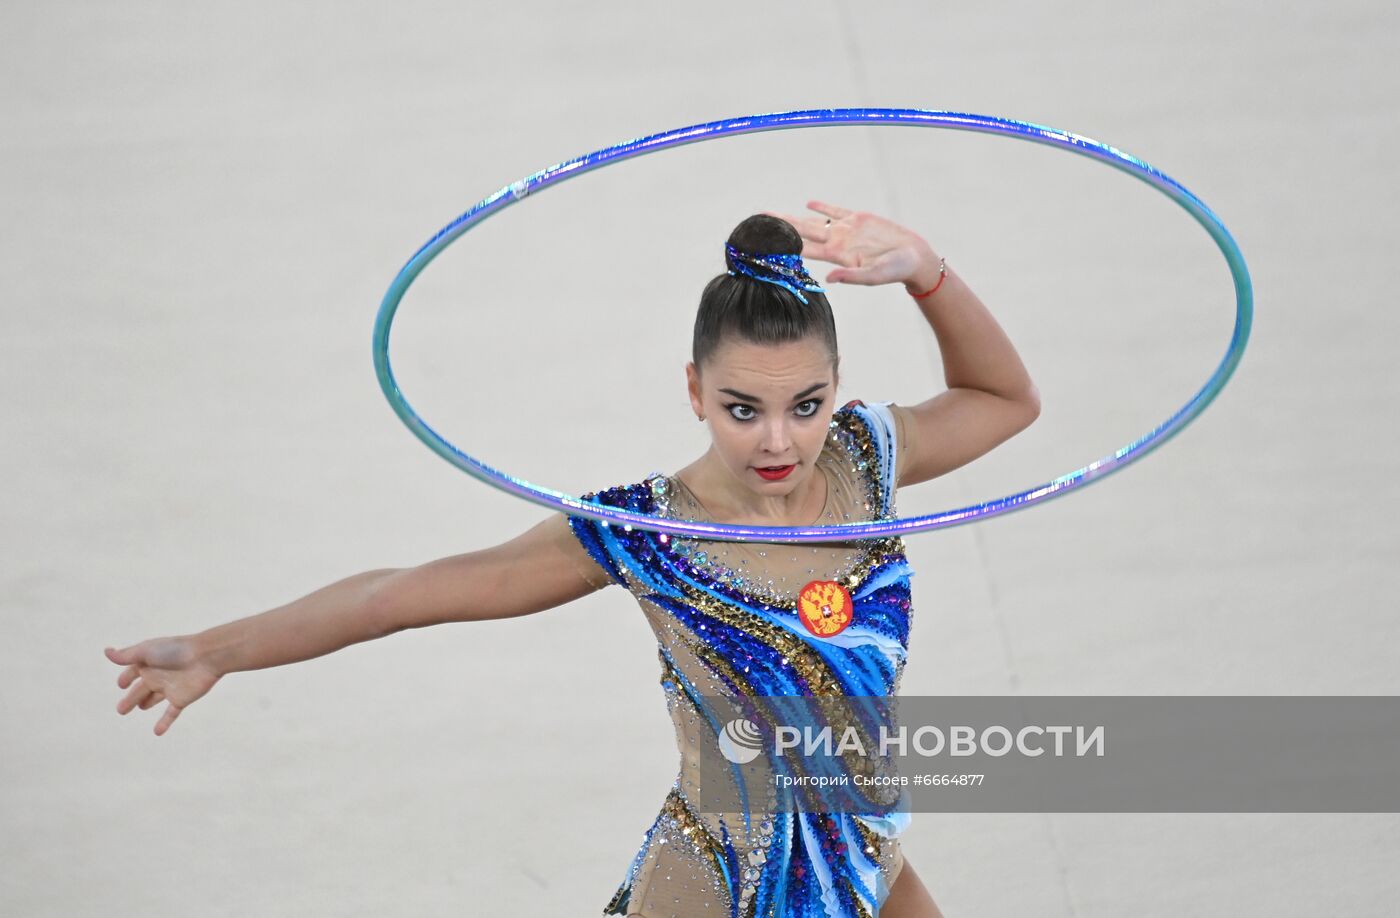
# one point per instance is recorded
(692, 381)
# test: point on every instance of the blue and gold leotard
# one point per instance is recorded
(727, 617)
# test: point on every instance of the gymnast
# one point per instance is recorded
(744, 618)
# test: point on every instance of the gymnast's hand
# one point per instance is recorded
(167, 668)
(870, 249)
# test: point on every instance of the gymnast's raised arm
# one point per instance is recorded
(542, 568)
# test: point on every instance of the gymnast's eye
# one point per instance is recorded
(739, 406)
(805, 409)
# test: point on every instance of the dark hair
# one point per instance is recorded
(754, 310)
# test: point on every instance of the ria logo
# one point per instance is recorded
(741, 741)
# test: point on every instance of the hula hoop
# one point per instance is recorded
(1023, 130)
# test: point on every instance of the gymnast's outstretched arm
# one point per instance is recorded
(542, 568)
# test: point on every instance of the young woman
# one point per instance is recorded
(731, 618)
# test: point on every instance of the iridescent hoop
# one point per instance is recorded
(566, 503)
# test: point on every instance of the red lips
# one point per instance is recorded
(776, 474)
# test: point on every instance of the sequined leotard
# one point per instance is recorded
(726, 621)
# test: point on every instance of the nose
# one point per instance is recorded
(777, 439)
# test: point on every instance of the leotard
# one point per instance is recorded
(726, 622)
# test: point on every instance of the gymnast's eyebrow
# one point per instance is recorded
(758, 401)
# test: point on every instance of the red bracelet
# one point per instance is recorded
(942, 276)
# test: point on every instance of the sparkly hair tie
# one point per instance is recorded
(784, 270)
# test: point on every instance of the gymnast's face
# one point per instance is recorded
(768, 406)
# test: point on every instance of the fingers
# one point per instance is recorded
(141, 694)
(867, 275)
(121, 656)
(831, 210)
(134, 697)
(171, 712)
(125, 655)
(815, 228)
(816, 231)
(809, 228)
(821, 251)
(816, 241)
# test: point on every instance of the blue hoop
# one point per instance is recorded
(569, 504)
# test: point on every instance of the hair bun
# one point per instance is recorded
(764, 234)
(763, 253)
